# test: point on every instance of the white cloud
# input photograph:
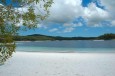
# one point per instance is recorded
(64, 12)
(53, 30)
(72, 24)
(68, 29)
(94, 15)
(42, 26)
(109, 6)
(79, 24)
(113, 23)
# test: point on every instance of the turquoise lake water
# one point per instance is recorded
(67, 46)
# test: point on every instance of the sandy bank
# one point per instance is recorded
(59, 64)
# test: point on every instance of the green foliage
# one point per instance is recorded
(7, 44)
(38, 37)
(107, 36)
(11, 16)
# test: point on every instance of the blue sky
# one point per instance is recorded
(77, 18)
(83, 31)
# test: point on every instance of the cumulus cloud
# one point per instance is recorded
(70, 29)
(109, 6)
(113, 23)
(53, 30)
(94, 15)
(64, 12)
(72, 24)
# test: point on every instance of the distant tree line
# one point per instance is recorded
(107, 36)
(38, 37)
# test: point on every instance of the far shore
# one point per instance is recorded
(62, 40)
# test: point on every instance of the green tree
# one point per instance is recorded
(108, 36)
(12, 14)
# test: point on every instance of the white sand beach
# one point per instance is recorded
(59, 64)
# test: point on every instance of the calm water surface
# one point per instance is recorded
(67, 46)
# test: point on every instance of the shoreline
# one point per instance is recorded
(64, 52)
(66, 40)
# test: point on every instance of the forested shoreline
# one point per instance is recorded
(39, 37)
